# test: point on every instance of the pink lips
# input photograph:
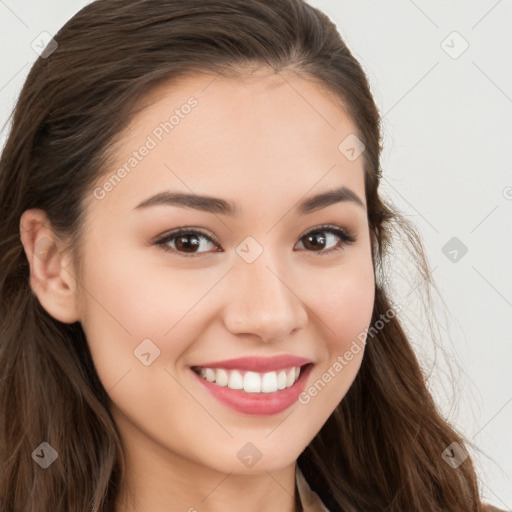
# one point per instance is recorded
(257, 404)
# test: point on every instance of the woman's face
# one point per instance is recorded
(246, 278)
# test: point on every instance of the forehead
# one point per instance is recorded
(259, 134)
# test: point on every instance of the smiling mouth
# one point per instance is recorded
(249, 381)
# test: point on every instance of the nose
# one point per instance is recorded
(263, 303)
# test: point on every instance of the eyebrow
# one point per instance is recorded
(221, 206)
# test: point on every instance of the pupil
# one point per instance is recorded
(187, 245)
(312, 237)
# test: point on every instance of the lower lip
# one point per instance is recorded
(258, 404)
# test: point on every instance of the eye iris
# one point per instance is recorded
(311, 240)
(191, 242)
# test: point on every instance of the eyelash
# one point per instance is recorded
(345, 236)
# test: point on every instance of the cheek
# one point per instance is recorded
(131, 298)
(354, 310)
(344, 301)
(142, 297)
(128, 301)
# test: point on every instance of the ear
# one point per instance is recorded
(51, 275)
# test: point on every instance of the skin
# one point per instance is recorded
(264, 141)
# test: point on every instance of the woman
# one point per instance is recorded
(193, 305)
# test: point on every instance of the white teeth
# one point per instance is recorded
(269, 382)
(251, 382)
(221, 378)
(281, 380)
(236, 381)
(290, 377)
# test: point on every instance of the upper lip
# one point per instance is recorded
(258, 364)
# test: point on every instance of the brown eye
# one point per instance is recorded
(317, 241)
(186, 241)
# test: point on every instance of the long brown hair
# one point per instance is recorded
(379, 450)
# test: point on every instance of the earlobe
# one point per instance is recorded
(51, 274)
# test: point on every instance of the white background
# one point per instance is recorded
(447, 165)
